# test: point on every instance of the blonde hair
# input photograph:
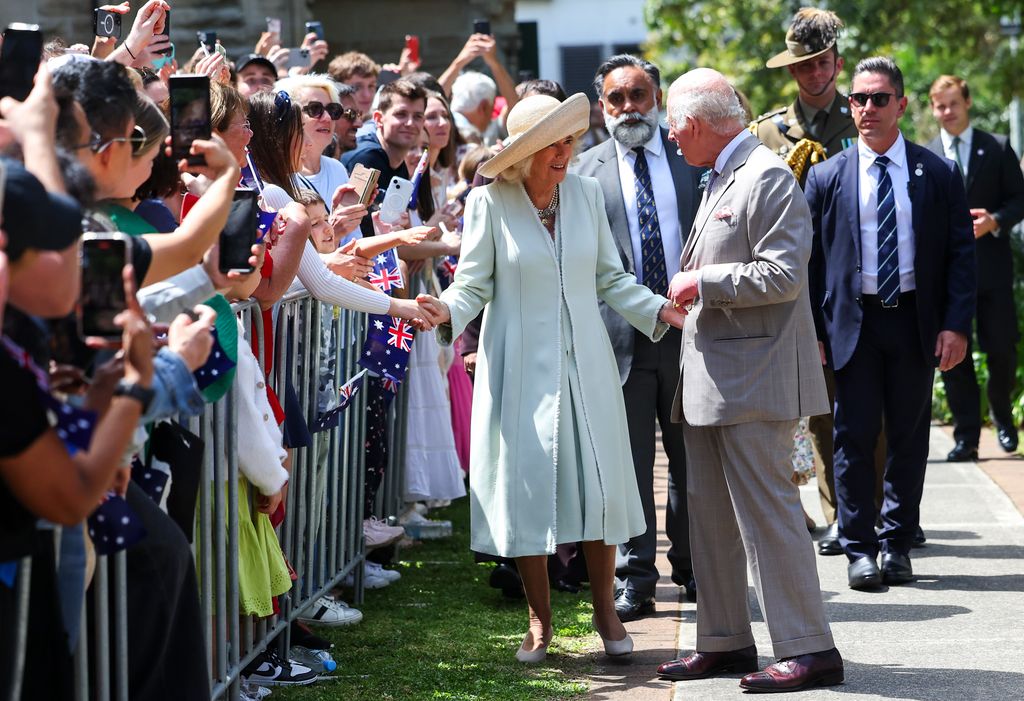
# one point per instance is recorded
(314, 81)
(520, 170)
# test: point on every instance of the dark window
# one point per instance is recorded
(579, 63)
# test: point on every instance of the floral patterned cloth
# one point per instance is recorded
(803, 453)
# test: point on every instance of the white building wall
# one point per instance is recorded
(580, 22)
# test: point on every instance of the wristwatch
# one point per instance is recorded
(143, 395)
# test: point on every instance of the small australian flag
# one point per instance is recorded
(346, 393)
(386, 274)
(446, 271)
(217, 363)
(388, 342)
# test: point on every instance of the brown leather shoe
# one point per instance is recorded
(823, 668)
(701, 665)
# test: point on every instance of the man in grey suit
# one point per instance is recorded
(750, 369)
(651, 199)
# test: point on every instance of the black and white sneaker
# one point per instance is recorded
(270, 670)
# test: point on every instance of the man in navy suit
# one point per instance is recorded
(995, 194)
(893, 292)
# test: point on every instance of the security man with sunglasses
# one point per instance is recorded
(818, 124)
(892, 283)
(820, 115)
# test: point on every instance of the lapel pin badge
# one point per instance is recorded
(981, 152)
(919, 171)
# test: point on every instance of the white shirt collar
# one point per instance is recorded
(653, 145)
(965, 137)
(897, 153)
(724, 156)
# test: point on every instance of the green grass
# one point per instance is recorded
(441, 633)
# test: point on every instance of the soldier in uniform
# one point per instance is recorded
(820, 114)
(817, 125)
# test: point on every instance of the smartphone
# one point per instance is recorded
(103, 257)
(412, 42)
(481, 26)
(239, 233)
(364, 180)
(317, 28)
(208, 40)
(396, 200)
(19, 59)
(106, 23)
(298, 58)
(169, 51)
(274, 25)
(190, 115)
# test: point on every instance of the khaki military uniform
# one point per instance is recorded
(783, 128)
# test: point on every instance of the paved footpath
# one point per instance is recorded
(956, 634)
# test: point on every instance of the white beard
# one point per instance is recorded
(632, 129)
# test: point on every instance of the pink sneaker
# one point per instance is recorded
(378, 534)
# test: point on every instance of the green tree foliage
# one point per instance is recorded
(926, 38)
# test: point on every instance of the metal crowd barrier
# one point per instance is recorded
(323, 545)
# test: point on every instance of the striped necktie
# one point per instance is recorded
(888, 253)
(652, 253)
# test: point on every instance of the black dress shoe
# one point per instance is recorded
(962, 452)
(691, 590)
(688, 583)
(701, 665)
(1007, 439)
(629, 606)
(829, 543)
(863, 574)
(919, 539)
(508, 580)
(896, 569)
(823, 668)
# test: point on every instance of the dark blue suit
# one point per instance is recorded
(884, 359)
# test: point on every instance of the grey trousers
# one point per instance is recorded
(648, 396)
(747, 512)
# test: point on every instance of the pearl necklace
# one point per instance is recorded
(547, 215)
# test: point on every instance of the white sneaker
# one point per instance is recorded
(371, 580)
(378, 534)
(329, 612)
(379, 571)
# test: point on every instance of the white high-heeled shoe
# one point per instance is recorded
(532, 656)
(614, 648)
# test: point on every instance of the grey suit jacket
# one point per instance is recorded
(749, 347)
(600, 162)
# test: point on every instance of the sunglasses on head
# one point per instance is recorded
(282, 105)
(334, 110)
(97, 145)
(879, 99)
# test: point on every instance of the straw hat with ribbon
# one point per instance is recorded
(535, 123)
(812, 32)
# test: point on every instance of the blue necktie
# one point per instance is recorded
(888, 254)
(652, 254)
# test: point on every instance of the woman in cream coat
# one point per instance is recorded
(550, 460)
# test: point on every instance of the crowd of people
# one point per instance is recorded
(773, 293)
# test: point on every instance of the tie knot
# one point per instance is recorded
(639, 151)
(956, 141)
(882, 162)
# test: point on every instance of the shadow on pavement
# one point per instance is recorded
(969, 582)
(924, 684)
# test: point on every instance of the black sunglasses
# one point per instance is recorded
(315, 109)
(880, 99)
